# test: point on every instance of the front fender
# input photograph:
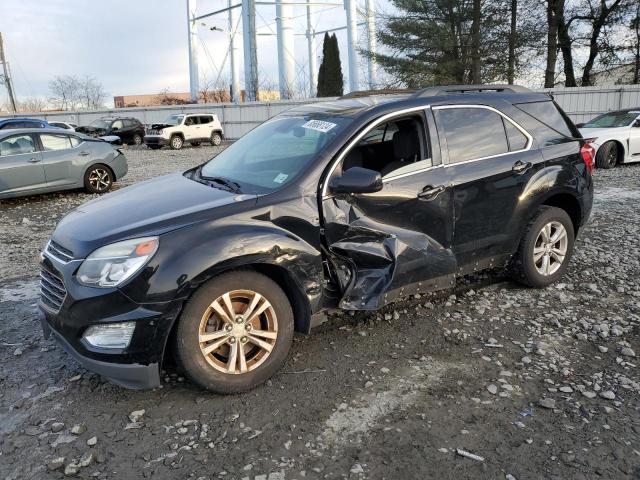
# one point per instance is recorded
(190, 256)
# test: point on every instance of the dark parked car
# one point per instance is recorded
(128, 129)
(7, 123)
(349, 204)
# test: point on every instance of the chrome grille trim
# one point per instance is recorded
(58, 252)
(52, 291)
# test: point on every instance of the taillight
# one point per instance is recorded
(588, 154)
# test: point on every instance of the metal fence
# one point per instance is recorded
(580, 103)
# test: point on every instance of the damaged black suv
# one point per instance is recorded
(348, 204)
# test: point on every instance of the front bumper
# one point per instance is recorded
(133, 375)
(155, 140)
(78, 307)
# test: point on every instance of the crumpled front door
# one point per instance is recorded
(391, 243)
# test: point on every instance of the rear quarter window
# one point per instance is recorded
(550, 124)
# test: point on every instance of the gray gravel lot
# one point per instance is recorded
(537, 383)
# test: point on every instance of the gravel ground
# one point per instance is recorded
(533, 383)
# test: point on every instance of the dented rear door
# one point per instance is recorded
(391, 243)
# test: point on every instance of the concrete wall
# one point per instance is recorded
(581, 104)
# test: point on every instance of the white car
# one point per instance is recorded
(615, 136)
(193, 128)
(66, 125)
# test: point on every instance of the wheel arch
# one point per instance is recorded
(98, 162)
(570, 204)
(619, 145)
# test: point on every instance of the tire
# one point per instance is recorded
(524, 266)
(195, 144)
(216, 139)
(210, 369)
(607, 156)
(137, 139)
(98, 179)
(176, 142)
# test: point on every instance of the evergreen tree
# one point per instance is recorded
(330, 81)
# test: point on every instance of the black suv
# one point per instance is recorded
(349, 204)
(128, 129)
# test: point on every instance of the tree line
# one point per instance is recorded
(432, 42)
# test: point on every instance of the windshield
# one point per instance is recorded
(612, 120)
(100, 124)
(174, 120)
(272, 155)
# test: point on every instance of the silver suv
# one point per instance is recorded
(180, 128)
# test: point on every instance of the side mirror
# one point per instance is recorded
(357, 180)
(636, 124)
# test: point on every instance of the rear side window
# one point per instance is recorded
(551, 124)
(472, 133)
(17, 145)
(55, 142)
(204, 119)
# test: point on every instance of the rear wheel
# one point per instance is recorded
(235, 332)
(607, 156)
(176, 142)
(137, 139)
(545, 249)
(216, 139)
(98, 179)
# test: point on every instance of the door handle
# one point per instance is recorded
(520, 167)
(83, 154)
(429, 192)
(33, 160)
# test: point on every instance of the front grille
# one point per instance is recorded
(52, 290)
(59, 252)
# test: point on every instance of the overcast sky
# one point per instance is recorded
(131, 46)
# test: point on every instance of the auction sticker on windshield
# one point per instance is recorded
(319, 125)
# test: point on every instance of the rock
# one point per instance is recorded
(526, 360)
(384, 370)
(62, 439)
(368, 384)
(87, 459)
(608, 394)
(71, 469)
(182, 430)
(492, 389)
(136, 415)
(356, 469)
(589, 394)
(57, 427)
(92, 441)
(549, 403)
(566, 389)
(79, 429)
(627, 352)
(603, 349)
(55, 464)
(17, 352)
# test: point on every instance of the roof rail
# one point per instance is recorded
(449, 89)
(384, 91)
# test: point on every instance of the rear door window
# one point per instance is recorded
(55, 142)
(17, 145)
(204, 119)
(472, 133)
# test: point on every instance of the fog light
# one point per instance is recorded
(110, 335)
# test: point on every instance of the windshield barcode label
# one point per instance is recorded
(319, 125)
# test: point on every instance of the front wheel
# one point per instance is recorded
(235, 332)
(98, 179)
(137, 139)
(216, 139)
(607, 156)
(545, 249)
(176, 142)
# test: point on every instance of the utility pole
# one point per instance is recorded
(371, 38)
(235, 50)
(193, 50)
(352, 42)
(250, 50)
(285, 48)
(7, 77)
(311, 46)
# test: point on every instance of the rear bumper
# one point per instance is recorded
(128, 375)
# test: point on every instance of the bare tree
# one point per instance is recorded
(92, 93)
(65, 92)
(165, 97)
(214, 90)
(32, 104)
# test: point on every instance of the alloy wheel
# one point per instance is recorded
(612, 157)
(550, 248)
(238, 331)
(99, 179)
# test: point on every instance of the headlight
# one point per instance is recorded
(110, 335)
(111, 265)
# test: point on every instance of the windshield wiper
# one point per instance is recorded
(230, 184)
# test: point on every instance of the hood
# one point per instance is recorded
(160, 126)
(598, 132)
(148, 208)
(92, 131)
